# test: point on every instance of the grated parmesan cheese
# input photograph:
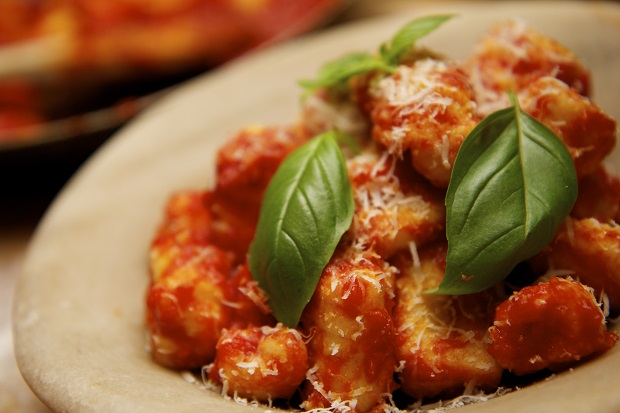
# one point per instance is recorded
(413, 87)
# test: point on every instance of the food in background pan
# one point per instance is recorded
(73, 54)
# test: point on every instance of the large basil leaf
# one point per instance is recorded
(307, 208)
(512, 185)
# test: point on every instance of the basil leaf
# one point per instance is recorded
(308, 206)
(404, 40)
(339, 71)
(512, 185)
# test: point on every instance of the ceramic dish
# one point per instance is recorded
(78, 319)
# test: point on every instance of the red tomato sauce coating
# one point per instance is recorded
(260, 363)
(549, 325)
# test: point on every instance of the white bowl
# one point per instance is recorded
(78, 318)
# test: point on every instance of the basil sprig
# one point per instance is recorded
(307, 207)
(512, 185)
(404, 40)
(336, 72)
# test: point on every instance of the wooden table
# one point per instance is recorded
(19, 215)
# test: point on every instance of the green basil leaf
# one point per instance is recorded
(404, 40)
(308, 206)
(512, 185)
(339, 71)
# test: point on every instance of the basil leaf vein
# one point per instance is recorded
(513, 183)
(308, 206)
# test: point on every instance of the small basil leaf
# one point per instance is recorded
(308, 206)
(512, 185)
(404, 40)
(339, 71)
